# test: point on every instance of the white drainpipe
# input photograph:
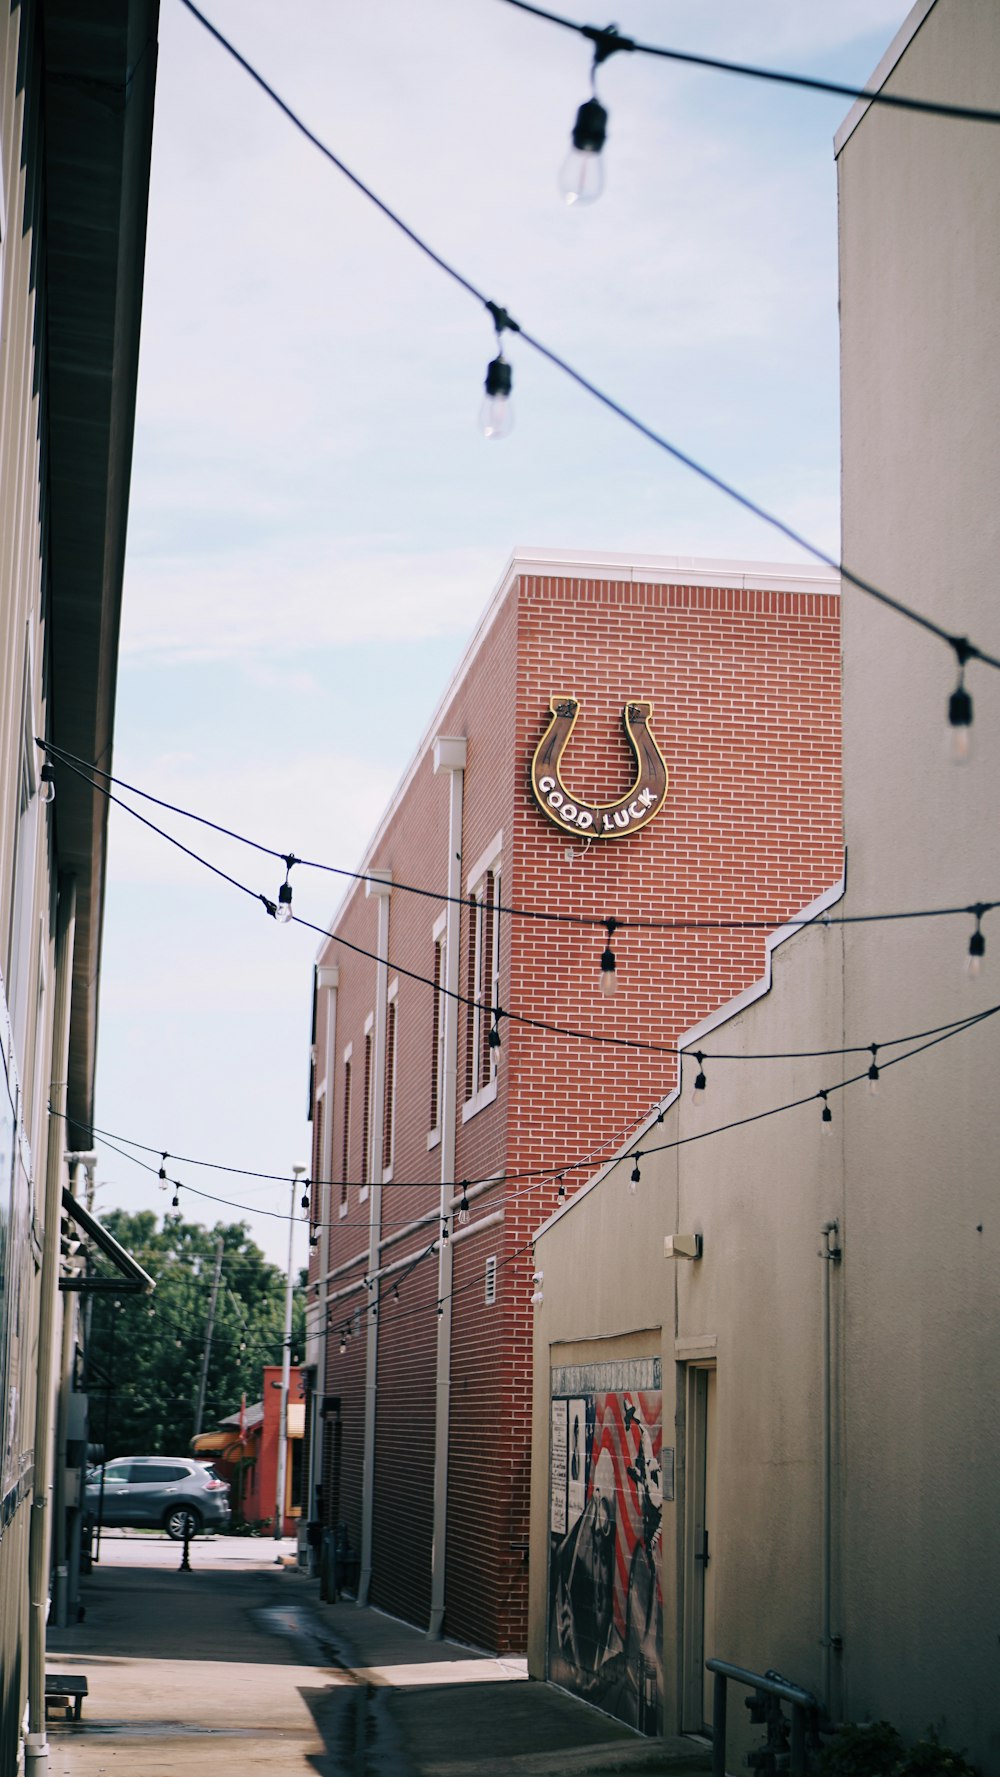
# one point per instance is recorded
(379, 885)
(327, 981)
(449, 756)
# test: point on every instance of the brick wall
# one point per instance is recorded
(744, 686)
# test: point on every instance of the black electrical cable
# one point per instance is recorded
(521, 1018)
(964, 649)
(439, 895)
(753, 71)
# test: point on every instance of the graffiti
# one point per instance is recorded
(605, 1613)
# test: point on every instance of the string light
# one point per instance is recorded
(91, 772)
(175, 1200)
(46, 784)
(305, 1195)
(873, 1073)
(496, 415)
(283, 910)
(494, 1036)
(444, 1229)
(562, 1188)
(960, 707)
(811, 82)
(581, 176)
(700, 1082)
(827, 1116)
(343, 1343)
(977, 946)
(609, 966)
(162, 1174)
(463, 1208)
(607, 401)
(634, 1178)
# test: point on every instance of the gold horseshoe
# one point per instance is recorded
(599, 820)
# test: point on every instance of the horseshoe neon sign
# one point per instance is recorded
(599, 820)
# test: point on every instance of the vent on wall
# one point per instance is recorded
(491, 1282)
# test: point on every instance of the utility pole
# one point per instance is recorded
(209, 1325)
(286, 1367)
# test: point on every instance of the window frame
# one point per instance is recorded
(483, 894)
(389, 1085)
(345, 1133)
(439, 936)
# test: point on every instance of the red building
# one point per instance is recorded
(539, 785)
(245, 1451)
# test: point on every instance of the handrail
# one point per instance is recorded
(802, 1702)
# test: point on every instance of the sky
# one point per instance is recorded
(316, 522)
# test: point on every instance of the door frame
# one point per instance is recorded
(696, 1373)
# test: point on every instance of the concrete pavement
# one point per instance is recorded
(239, 1663)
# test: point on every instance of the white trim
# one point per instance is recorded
(433, 1139)
(730, 1010)
(640, 570)
(438, 928)
(893, 55)
(479, 1100)
(487, 861)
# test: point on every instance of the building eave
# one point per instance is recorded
(99, 66)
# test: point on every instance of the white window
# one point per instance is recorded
(389, 1098)
(345, 1133)
(367, 1108)
(437, 1030)
(482, 990)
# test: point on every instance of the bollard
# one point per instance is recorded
(185, 1566)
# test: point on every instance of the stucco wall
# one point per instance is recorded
(909, 1174)
(920, 301)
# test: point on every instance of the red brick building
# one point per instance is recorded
(425, 1364)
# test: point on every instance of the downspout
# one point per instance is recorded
(379, 885)
(450, 756)
(830, 1643)
(328, 981)
(36, 1752)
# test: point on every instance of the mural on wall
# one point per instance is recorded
(608, 1478)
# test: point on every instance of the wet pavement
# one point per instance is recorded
(237, 1663)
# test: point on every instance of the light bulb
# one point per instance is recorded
(537, 1299)
(873, 1080)
(463, 1208)
(700, 1082)
(634, 1178)
(960, 723)
(496, 415)
(343, 1346)
(827, 1117)
(581, 176)
(283, 911)
(609, 972)
(977, 951)
(46, 784)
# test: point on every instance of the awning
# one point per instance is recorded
(131, 1276)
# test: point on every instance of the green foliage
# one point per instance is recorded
(928, 1758)
(144, 1357)
(862, 1749)
(874, 1749)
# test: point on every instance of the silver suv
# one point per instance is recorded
(171, 1493)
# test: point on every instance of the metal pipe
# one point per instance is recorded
(449, 756)
(830, 1254)
(718, 1724)
(199, 1412)
(36, 1762)
(378, 884)
(286, 1367)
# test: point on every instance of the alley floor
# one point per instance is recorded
(237, 1664)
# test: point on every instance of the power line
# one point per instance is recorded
(610, 40)
(963, 648)
(481, 1007)
(441, 896)
(921, 1040)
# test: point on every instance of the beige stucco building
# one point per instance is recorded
(849, 1484)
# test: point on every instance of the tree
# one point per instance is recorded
(145, 1353)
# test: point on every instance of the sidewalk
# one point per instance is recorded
(239, 1662)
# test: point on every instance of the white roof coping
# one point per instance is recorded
(893, 55)
(577, 564)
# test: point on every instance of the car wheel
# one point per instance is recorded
(182, 1521)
